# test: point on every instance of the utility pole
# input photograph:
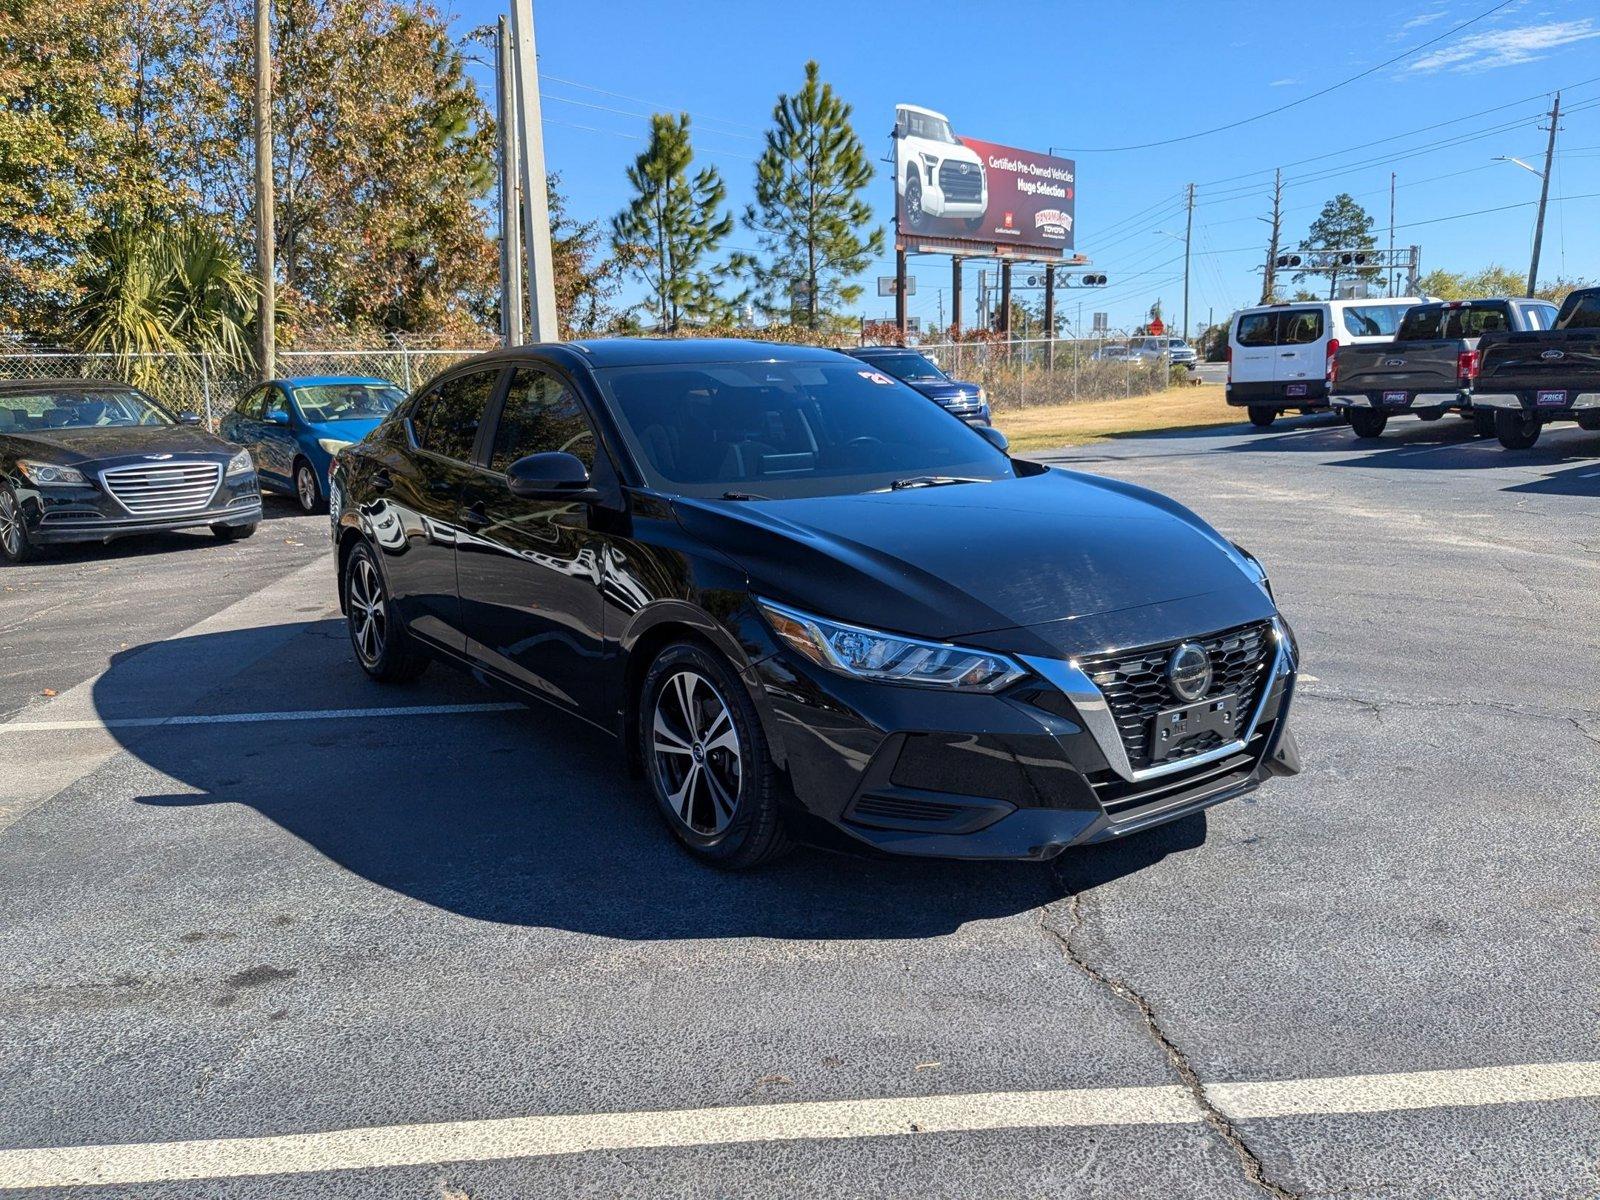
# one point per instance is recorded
(1269, 278)
(1391, 232)
(543, 323)
(1544, 194)
(267, 303)
(511, 303)
(1188, 232)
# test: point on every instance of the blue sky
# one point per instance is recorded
(1088, 77)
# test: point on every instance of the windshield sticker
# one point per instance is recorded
(876, 377)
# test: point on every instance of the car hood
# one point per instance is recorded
(69, 447)
(1053, 549)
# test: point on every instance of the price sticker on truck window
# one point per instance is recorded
(1557, 399)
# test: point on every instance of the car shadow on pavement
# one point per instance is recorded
(524, 816)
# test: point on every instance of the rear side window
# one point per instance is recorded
(1258, 329)
(1539, 316)
(1581, 310)
(1299, 327)
(250, 406)
(541, 414)
(1373, 320)
(446, 419)
(1421, 324)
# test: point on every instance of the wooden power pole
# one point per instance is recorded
(1544, 194)
(543, 323)
(1269, 277)
(267, 303)
(511, 301)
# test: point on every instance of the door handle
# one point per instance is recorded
(475, 517)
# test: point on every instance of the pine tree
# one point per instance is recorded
(1342, 225)
(808, 213)
(673, 226)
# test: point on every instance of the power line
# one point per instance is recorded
(1451, 32)
(651, 104)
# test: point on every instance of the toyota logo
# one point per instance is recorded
(1554, 354)
(1189, 672)
(966, 168)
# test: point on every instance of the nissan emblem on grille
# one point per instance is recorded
(1189, 671)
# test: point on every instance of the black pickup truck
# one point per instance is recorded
(1531, 379)
(1432, 364)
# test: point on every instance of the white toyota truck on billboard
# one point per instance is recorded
(936, 175)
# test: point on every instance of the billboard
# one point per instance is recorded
(960, 190)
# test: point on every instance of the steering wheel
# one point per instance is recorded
(865, 441)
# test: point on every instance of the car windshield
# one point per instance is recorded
(786, 429)
(347, 401)
(931, 129)
(63, 409)
(912, 367)
(1374, 320)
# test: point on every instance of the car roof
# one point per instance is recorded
(917, 108)
(672, 352)
(64, 385)
(881, 351)
(299, 381)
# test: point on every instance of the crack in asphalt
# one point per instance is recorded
(1377, 705)
(1249, 1162)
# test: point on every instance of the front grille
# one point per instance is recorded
(963, 404)
(1135, 686)
(899, 809)
(164, 490)
(959, 185)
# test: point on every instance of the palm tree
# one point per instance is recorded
(160, 297)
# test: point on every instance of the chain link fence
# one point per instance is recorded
(195, 383)
(1025, 372)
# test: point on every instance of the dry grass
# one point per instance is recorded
(1041, 427)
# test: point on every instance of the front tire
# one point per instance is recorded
(382, 644)
(915, 216)
(14, 544)
(1366, 423)
(707, 759)
(234, 533)
(307, 488)
(1516, 430)
(1262, 417)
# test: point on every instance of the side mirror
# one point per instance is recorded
(553, 475)
(994, 437)
(277, 416)
(188, 418)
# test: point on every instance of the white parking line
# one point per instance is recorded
(310, 714)
(544, 1136)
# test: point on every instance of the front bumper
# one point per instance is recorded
(1414, 402)
(59, 515)
(1020, 775)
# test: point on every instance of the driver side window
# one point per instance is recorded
(541, 414)
(277, 402)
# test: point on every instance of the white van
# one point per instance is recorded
(1280, 355)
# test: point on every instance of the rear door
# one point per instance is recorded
(243, 424)
(276, 447)
(1301, 356)
(1255, 343)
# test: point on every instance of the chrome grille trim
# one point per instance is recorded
(1100, 722)
(163, 490)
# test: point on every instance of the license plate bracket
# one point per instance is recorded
(1295, 389)
(1173, 726)
(1397, 399)
(1551, 398)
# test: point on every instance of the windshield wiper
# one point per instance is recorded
(921, 481)
(743, 496)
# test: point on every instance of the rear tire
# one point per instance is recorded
(234, 533)
(14, 544)
(707, 760)
(1366, 423)
(1262, 417)
(382, 644)
(1516, 430)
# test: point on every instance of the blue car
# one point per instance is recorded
(294, 427)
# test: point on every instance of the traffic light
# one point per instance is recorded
(1094, 281)
(1290, 260)
(1352, 260)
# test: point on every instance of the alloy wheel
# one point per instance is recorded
(698, 761)
(369, 620)
(10, 525)
(306, 487)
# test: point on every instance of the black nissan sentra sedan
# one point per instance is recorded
(87, 461)
(811, 604)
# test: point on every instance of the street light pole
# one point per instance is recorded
(267, 301)
(511, 303)
(1188, 232)
(543, 323)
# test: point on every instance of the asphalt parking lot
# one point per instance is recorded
(462, 929)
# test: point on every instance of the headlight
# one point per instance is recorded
(1255, 566)
(50, 475)
(240, 464)
(983, 397)
(888, 657)
(333, 445)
